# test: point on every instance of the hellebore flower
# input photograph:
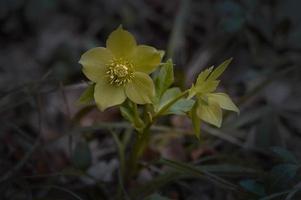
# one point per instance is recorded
(209, 104)
(121, 70)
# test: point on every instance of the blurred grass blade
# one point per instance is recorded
(192, 170)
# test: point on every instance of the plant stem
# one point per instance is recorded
(143, 137)
(137, 151)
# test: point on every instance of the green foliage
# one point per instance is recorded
(277, 182)
(264, 37)
(253, 187)
(282, 175)
(217, 72)
(129, 112)
(181, 107)
(203, 172)
(165, 78)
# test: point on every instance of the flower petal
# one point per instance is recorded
(146, 58)
(107, 95)
(141, 89)
(224, 101)
(94, 62)
(211, 113)
(121, 43)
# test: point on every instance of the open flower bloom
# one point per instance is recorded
(121, 70)
(210, 104)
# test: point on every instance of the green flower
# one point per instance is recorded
(209, 105)
(121, 70)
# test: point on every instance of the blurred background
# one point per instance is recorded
(40, 80)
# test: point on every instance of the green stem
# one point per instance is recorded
(143, 138)
(137, 151)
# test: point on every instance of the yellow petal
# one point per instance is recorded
(141, 89)
(146, 58)
(107, 95)
(94, 63)
(121, 43)
(224, 101)
(211, 113)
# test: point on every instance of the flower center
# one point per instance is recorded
(119, 72)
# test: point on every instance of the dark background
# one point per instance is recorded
(41, 42)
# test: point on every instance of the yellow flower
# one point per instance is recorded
(121, 70)
(209, 104)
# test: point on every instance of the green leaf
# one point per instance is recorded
(167, 96)
(181, 107)
(282, 176)
(285, 171)
(228, 170)
(87, 96)
(127, 110)
(81, 157)
(253, 187)
(196, 122)
(219, 70)
(198, 172)
(165, 78)
(156, 196)
(284, 155)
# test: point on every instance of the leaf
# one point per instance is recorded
(156, 196)
(284, 155)
(198, 172)
(219, 70)
(167, 96)
(165, 78)
(285, 171)
(127, 112)
(81, 157)
(87, 96)
(181, 107)
(203, 76)
(282, 175)
(253, 187)
(229, 170)
(210, 113)
(224, 101)
(207, 86)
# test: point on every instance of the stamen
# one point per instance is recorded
(119, 72)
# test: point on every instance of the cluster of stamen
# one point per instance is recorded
(119, 72)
